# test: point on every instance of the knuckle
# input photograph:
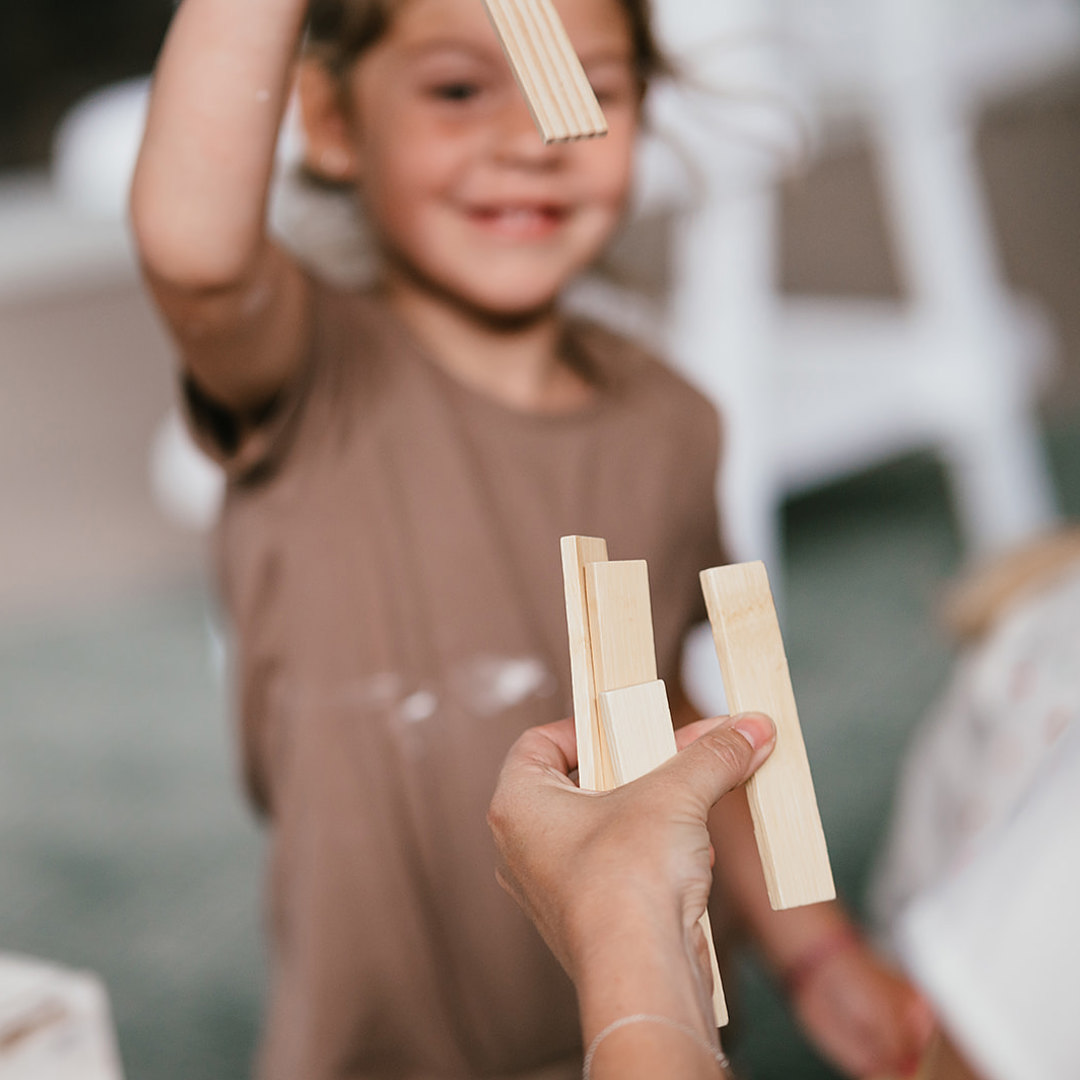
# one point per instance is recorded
(496, 817)
(732, 751)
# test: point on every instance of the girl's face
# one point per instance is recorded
(468, 201)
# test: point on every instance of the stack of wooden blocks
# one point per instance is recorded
(623, 720)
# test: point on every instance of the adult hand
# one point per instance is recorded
(577, 862)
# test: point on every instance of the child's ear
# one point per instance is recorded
(329, 151)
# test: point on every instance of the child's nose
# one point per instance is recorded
(518, 141)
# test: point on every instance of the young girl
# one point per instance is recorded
(402, 462)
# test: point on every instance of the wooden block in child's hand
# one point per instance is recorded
(547, 69)
(787, 822)
(639, 736)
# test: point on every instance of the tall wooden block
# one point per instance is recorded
(577, 551)
(787, 822)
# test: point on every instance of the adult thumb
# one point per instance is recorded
(722, 757)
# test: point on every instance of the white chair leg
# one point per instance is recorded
(944, 241)
(723, 314)
(1000, 482)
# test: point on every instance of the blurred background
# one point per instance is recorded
(125, 848)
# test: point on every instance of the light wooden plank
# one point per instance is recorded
(620, 624)
(523, 64)
(638, 730)
(576, 552)
(559, 64)
(548, 70)
(787, 822)
(557, 84)
(587, 108)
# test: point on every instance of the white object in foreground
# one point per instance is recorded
(55, 1024)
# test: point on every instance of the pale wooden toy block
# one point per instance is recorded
(637, 727)
(787, 823)
(547, 69)
(620, 624)
(576, 552)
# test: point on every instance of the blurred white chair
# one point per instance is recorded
(94, 155)
(961, 361)
(65, 228)
(95, 149)
(813, 388)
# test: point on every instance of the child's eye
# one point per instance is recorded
(612, 93)
(613, 84)
(455, 91)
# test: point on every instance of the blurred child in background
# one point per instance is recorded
(402, 461)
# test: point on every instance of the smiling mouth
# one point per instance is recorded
(518, 222)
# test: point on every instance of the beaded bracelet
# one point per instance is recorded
(648, 1018)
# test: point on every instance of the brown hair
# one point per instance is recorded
(339, 31)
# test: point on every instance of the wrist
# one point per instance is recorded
(639, 959)
(662, 1050)
(808, 964)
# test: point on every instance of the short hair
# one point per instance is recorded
(339, 31)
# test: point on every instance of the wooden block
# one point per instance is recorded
(637, 728)
(581, 101)
(637, 725)
(547, 69)
(620, 624)
(576, 552)
(787, 823)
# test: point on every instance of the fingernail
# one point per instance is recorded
(756, 728)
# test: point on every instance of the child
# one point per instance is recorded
(402, 462)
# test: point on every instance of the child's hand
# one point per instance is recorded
(864, 1016)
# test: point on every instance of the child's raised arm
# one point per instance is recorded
(236, 302)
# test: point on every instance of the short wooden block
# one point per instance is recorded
(637, 726)
(639, 735)
(787, 822)
(547, 69)
(576, 552)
